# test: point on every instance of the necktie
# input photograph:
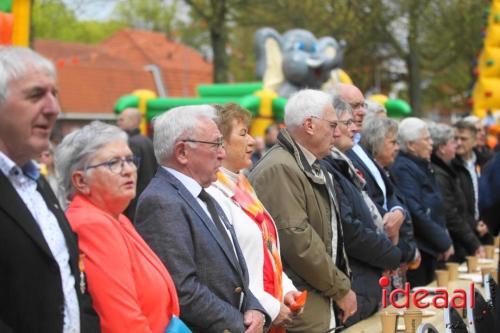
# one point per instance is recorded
(206, 198)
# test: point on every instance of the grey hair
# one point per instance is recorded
(77, 149)
(341, 107)
(15, 62)
(177, 122)
(409, 130)
(374, 132)
(472, 119)
(374, 108)
(305, 103)
(440, 134)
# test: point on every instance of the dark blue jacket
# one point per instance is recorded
(369, 251)
(415, 178)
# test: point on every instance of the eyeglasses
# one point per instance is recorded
(217, 144)
(115, 165)
(347, 122)
(359, 105)
(333, 124)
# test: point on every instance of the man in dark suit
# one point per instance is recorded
(189, 231)
(41, 289)
(142, 147)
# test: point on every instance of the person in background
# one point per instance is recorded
(189, 231)
(466, 158)
(460, 224)
(369, 250)
(39, 275)
(415, 178)
(142, 147)
(259, 150)
(271, 136)
(253, 225)
(132, 290)
(47, 169)
(481, 150)
(303, 202)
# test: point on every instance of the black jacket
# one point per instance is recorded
(415, 178)
(142, 147)
(460, 224)
(31, 296)
(369, 251)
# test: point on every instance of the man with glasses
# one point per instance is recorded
(40, 277)
(303, 202)
(188, 230)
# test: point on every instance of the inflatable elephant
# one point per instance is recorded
(295, 60)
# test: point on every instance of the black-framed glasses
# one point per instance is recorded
(116, 165)
(217, 144)
(333, 124)
(358, 105)
(347, 122)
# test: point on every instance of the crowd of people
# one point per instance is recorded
(210, 229)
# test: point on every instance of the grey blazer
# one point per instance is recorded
(208, 280)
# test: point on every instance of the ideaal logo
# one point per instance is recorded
(441, 298)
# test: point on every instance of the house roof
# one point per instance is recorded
(93, 77)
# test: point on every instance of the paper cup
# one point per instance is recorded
(413, 319)
(490, 251)
(389, 321)
(472, 264)
(452, 270)
(442, 278)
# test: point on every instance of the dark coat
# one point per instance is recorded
(208, 279)
(460, 224)
(142, 147)
(406, 243)
(370, 252)
(31, 295)
(416, 180)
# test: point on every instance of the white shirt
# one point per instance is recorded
(24, 182)
(470, 165)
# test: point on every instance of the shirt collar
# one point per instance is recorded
(309, 156)
(192, 185)
(9, 167)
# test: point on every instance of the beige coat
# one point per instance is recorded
(299, 203)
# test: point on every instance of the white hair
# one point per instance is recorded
(177, 122)
(305, 103)
(77, 149)
(15, 62)
(410, 129)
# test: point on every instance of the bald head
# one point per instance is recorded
(352, 95)
(129, 119)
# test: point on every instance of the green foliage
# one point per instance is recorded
(51, 19)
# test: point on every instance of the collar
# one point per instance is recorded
(192, 185)
(287, 143)
(133, 132)
(9, 167)
(442, 164)
(308, 155)
(349, 168)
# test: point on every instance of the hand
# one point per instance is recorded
(448, 253)
(481, 228)
(348, 305)
(415, 263)
(480, 252)
(392, 222)
(285, 317)
(290, 299)
(254, 321)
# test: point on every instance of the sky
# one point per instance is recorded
(92, 9)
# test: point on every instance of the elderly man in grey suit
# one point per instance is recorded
(189, 231)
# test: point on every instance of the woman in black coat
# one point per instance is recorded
(369, 250)
(415, 178)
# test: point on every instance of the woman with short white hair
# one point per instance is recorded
(413, 174)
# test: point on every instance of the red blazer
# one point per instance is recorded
(131, 288)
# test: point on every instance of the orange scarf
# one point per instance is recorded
(246, 198)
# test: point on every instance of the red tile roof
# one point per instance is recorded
(93, 77)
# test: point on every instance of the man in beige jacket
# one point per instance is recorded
(303, 201)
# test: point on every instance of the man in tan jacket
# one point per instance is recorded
(302, 199)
